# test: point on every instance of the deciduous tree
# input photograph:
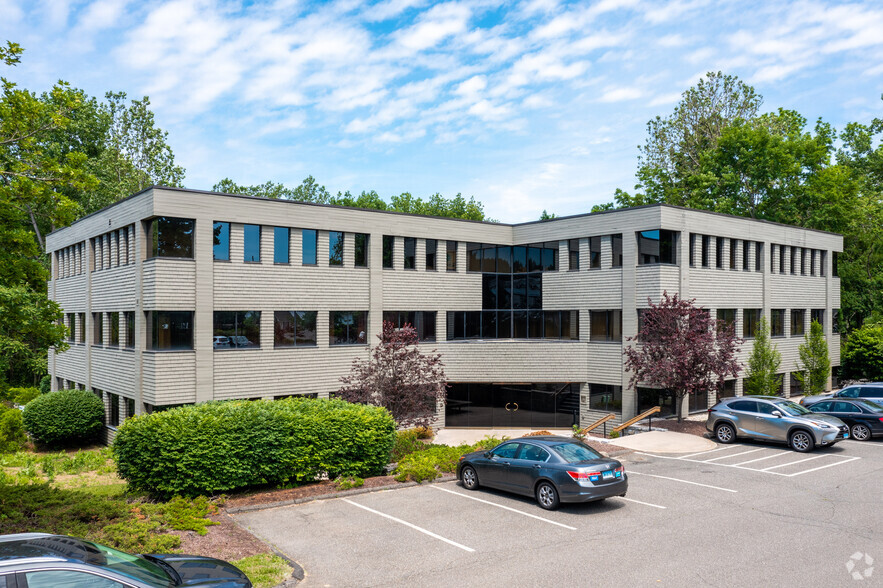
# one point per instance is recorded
(763, 376)
(815, 365)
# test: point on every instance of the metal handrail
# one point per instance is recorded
(640, 417)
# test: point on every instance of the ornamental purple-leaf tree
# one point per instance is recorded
(681, 349)
(398, 376)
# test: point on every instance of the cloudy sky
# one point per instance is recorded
(525, 105)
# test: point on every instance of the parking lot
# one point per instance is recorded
(737, 515)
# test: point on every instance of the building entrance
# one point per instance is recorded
(513, 406)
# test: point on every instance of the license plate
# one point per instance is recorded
(846, 435)
(607, 475)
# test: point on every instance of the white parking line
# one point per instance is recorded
(823, 467)
(783, 465)
(728, 456)
(644, 503)
(762, 471)
(712, 450)
(527, 514)
(684, 481)
(407, 524)
(863, 443)
(777, 454)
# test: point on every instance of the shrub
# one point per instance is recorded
(406, 442)
(863, 353)
(425, 432)
(12, 431)
(22, 395)
(437, 459)
(220, 446)
(45, 384)
(65, 417)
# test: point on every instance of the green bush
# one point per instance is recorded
(434, 460)
(407, 441)
(22, 395)
(219, 446)
(863, 353)
(65, 417)
(12, 431)
(45, 384)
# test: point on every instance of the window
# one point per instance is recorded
(750, 319)
(595, 252)
(692, 249)
(777, 322)
(656, 247)
(281, 244)
(733, 246)
(834, 260)
(719, 253)
(170, 330)
(348, 327)
(335, 248)
(706, 249)
(488, 258)
(451, 258)
(422, 321)
(835, 320)
(550, 256)
(236, 329)
(605, 397)
(113, 419)
(114, 319)
(797, 320)
(431, 247)
(97, 328)
(782, 259)
(130, 330)
(746, 258)
(817, 315)
(758, 256)
(81, 332)
(221, 241)
(171, 237)
(67, 579)
(812, 263)
(360, 242)
(130, 407)
(796, 385)
(504, 259)
(251, 236)
(69, 322)
(309, 238)
(573, 254)
(533, 453)
(795, 260)
(606, 325)
(823, 260)
(726, 318)
(616, 245)
(410, 253)
(506, 324)
(292, 328)
(388, 251)
(473, 257)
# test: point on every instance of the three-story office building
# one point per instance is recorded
(180, 296)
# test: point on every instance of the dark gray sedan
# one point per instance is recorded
(551, 469)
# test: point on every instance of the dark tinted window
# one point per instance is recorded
(97, 328)
(504, 259)
(616, 246)
(656, 247)
(733, 246)
(473, 257)
(348, 327)
(240, 328)
(335, 248)
(488, 258)
(422, 321)
(764, 408)
(750, 319)
(575, 452)
(308, 252)
(171, 237)
(817, 315)
(506, 451)
(361, 250)
(726, 317)
(410, 253)
(280, 244)
(706, 249)
(821, 406)
(719, 252)
(221, 241)
(870, 392)
(533, 453)
(758, 256)
(777, 322)
(431, 246)
(845, 407)
(606, 325)
(114, 320)
(451, 256)
(746, 258)
(743, 405)
(130, 329)
(389, 251)
(797, 320)
(595, 252)
(170, 330)
(251, 235)
(534, 258)
(294, 328)
(573, 254)
(848, 393)
(692, 251)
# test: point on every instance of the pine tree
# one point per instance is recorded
(814, 364)
(763, 364)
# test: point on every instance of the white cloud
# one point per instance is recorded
(621, 94)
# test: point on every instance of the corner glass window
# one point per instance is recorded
(451, 256)
(750, 319)
(656, 247)
(335, 248)
(519, 259)
(171, 237)
(389, 251)
(410, 253)
(251, 236)
(361, 249)
(293, 328)
(281, 244)
(221, 241)
(170, 330)
(488, 258)
(473, 257)
(348, 327)
(797, 319)
(236, 329)
(309, 238)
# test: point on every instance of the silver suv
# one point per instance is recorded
(770, 418)
(872, 391)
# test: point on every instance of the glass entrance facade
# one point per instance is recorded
(502, 406)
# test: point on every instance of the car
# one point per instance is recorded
(220, 342)
(869, 391)
(864, 417)
(551, 469)
(772, 418)
(43, 560)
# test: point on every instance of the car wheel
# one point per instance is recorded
(801, 441)
(861, 432)
(547, 496)
(469, 477)
(725, 433)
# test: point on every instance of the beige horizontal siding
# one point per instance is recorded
(170, 284)
(113, 370)
(169, 378)
(113, 289)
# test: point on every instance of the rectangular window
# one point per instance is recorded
(335, 248)
(114, 417)
(605, 397)
(758, 256)
(431, 247)
(594, 252)
(171, 237)
(726, 318)
(812, 262)
(360, 242)
(719, 253)
(97, 328)
(422, 321)
(451, 257)
(70, 323)
(823, 260)
(535, 257)
(170, 331)
(616, 246)
(221, 241)
(797, 320)
(389, 243)
(782, 259)
(348, 327)
(309, 255)
(281, 244)
(817, 315)
(114, 319)
(236, 329)
(573, 254)
(130, 330)
(473, 257)
(746, 258)
(606, 325)
(81, 331)
(795, 260)
(835, 320)
(692, 249)
(488, 258)
(251, 236)
(504, 259)
(130, 407)
(293, 328)
(835, 257)
(734, 244)
(777, 322)
(410, 253)
(519, 259)
(656, 247)
(706, 250)
(750, 319)
(550, 256)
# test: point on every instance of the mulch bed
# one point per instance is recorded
(226, 540)
(690, 427)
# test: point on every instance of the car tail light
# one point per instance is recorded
(583, 476)
(881, 419)
(619, 471)
(462, 457)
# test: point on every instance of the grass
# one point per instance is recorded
(264, 570)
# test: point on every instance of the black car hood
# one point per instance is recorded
(195, 570)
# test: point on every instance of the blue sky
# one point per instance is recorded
(525, 105)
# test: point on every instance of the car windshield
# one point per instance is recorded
(133, 566)
(575, 452)
(792, 409)
(870, 405)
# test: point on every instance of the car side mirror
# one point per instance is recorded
(487, 455)
(777, 413)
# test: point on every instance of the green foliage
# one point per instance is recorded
(185, 514)
(348, 482)
(138, 536)
(22, 395)
(614, 434)
(762, 376)
(29, 325)
(265, 570)
(65, 417)
(12, 431)
(815, 365)
(220, 446)
(45, 384)
(433, 460)
(863, 353)
(406, 442)
(547, 215)
(578, 433)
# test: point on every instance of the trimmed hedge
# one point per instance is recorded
(222, 446)
(65, 417)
